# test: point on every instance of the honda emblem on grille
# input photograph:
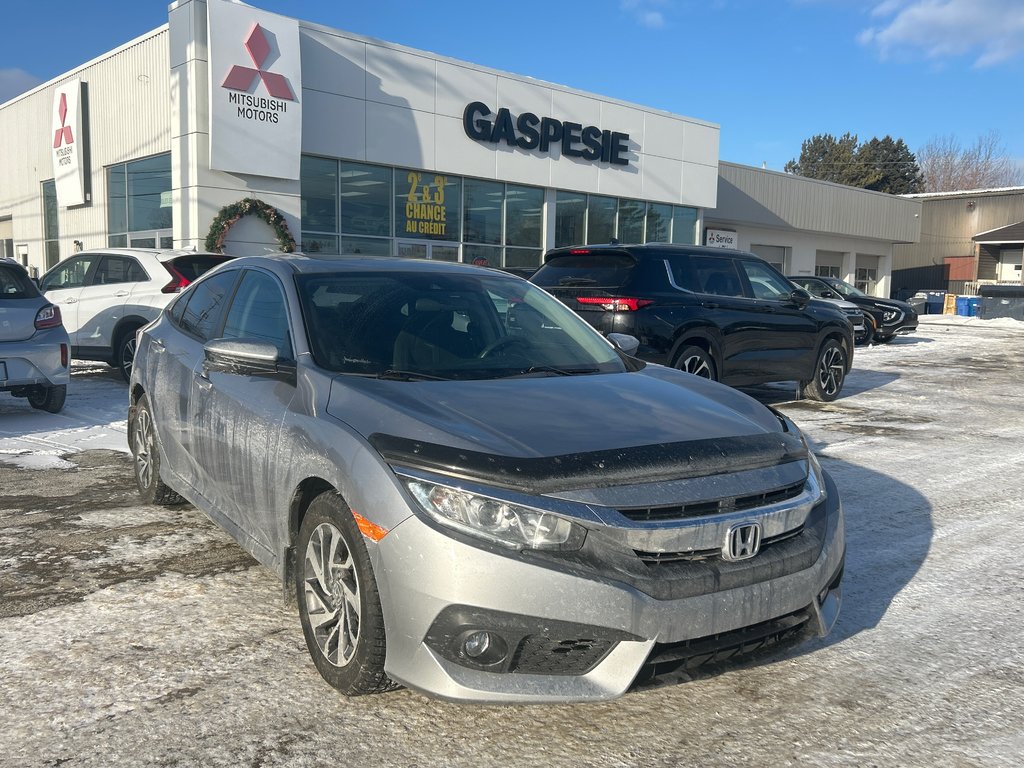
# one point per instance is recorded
(743, 541)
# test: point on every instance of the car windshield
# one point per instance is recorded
(846, 289)
(419, 325)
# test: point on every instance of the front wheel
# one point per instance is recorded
(339, 605)
(50, 399)
(829, 373)
(697, 361)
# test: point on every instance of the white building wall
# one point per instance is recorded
(128, 110)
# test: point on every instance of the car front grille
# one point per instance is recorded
(654, 559)
(714, 507)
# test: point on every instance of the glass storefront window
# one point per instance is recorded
(523, 258)
(365, 199)
(312, 243)
(631, 221)
(139, 203)
(483, 255)
(524, 216)
(601, 219)
(51, 223)
(319, 184)
(483, 203)
(149, 193)
(427, 205)
(372, 246)
(659, 223)
(570, 219)
(684, 226)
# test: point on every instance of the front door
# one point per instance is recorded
(426, 249)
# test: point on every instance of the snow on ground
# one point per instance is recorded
(138, 635)
(95, 416)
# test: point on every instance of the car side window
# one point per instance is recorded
(765, 282)
(716, 275)
(259, 311)
(118, 269)
(202, 314)
(71, 274)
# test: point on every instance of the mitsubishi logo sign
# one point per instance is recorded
(67, 142)
(63, 134)
(255, 91)
(242, 78)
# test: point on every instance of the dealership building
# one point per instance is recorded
(354, 145)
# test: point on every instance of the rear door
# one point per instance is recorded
(104, 299)
(588, 282)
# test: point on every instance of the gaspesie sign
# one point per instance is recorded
(528, 131)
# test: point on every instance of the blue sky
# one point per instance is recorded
(770, 72)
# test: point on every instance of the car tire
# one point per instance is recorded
(696, 360)
(829, 373)
(339, 605)
(869, 333)
(48, 398)
(146, 456)
(124, 353)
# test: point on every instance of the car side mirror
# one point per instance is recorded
(246, 357)
(626, 344)
(800, 298)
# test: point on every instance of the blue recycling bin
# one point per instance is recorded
(973, 303)
(962, 307)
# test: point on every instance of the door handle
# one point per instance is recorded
(121, 293)
(712, 304)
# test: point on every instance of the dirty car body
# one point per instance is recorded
(471, 492)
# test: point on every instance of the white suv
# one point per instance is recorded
(106, 295)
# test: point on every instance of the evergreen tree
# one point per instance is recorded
(882, 165)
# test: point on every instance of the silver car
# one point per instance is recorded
(471, 492)
(34, 346)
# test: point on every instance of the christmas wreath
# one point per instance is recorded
(229, 214)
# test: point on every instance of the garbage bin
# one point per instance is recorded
(934, 301)
(1001, 301)
(961, 306)
(949, 305)
(973, 304)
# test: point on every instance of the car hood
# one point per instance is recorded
(649, 422)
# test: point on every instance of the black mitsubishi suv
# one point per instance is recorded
(722, 314)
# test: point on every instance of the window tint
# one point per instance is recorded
(202, 313)
(715, 275)
(118, 269)
(14, 284)
(765, 282)
(70, 274)
(606, 270)
(193, 267)
(258, 311)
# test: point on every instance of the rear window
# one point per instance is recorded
(192, 267)
(14, 284)
(584, 270)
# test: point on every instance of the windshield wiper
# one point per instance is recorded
(570, 281)
(556, 371)
(396, 375)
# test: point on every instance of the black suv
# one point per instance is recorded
(886, 318)
(722, 314)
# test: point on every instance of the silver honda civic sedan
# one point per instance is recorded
(468, 490)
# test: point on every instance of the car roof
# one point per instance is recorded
(651, 248)
(305, 263)
(163, 254)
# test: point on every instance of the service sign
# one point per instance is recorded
(66, 139)
(721, 238)
(255, 91)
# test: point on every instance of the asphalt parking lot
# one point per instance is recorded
(141, 635)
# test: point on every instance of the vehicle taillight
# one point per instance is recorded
(48, 317)
(178, 282)
(614, 304)
(578, 251)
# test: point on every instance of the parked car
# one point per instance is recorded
(722, 314)
(34, 346)
(468, 490)
(856, 315)
(886, 318)
(106, 295)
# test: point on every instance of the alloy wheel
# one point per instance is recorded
(831, 370)
(144, 444)
(697, 365)
(331, 588)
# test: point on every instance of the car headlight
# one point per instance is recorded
(510, 525)
(890, 314)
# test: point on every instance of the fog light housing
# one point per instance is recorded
(483, 647)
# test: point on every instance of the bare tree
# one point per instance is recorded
(949, 167)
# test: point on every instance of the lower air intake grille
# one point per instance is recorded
(539, 655)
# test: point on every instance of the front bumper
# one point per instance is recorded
(36, 360)
(597, 632)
